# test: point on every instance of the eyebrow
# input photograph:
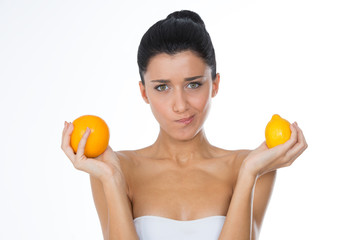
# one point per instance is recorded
(185, 79)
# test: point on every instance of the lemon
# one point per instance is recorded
(277, 131)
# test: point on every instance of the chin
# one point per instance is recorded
(184, 138)
(185, 135)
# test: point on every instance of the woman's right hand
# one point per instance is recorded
(102, 167)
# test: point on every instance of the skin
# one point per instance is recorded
(182, 176)
(181, 167)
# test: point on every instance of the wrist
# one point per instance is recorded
(246, 172)
(113, 180)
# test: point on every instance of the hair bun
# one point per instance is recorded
(186, 14)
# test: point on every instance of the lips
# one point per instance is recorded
(186, 120)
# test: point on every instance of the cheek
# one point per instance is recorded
(200, 100)
(159, 107)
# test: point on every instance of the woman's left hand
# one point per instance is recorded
(263, 160)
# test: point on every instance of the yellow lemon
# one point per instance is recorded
(98, 139)
(277, 131)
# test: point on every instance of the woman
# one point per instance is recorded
(182, 187)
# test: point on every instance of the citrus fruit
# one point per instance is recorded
(98, 139)
(277, 131)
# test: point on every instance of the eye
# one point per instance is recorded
(161, 88)
(194, 85)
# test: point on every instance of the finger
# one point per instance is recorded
(294, 136)
(64, 131)
(297, 154)
(299, 147)
(66, 142)
(64, 128)
(82, 143)
(289, 143)
(302, 139)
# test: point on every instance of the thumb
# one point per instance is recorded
(109, 155)
(262, 147)
(105, 154)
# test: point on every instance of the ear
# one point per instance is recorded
(215, 85)
(143, 92)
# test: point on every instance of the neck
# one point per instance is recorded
(182, 151)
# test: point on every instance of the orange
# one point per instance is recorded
(98, 139)
(277, 131)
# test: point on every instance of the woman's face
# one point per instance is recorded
(179, 87)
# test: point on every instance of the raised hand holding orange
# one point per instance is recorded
(103, 166)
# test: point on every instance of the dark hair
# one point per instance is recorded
(180, 31)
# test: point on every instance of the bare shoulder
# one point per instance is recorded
(127, 158)
(127, 162)
(242, 153)
(237, 153)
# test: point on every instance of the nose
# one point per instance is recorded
(180, 103)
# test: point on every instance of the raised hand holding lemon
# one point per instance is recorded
(290, 142)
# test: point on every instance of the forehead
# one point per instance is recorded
(180, 65)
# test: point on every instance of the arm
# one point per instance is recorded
(114, 209)
(247, 207)
(263, 190)
(120, 219)
(254, 186)
(100, 204)
(238, 223)
(239, 216)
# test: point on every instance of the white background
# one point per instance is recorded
(63, 59)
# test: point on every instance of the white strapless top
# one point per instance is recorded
(161, 228)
